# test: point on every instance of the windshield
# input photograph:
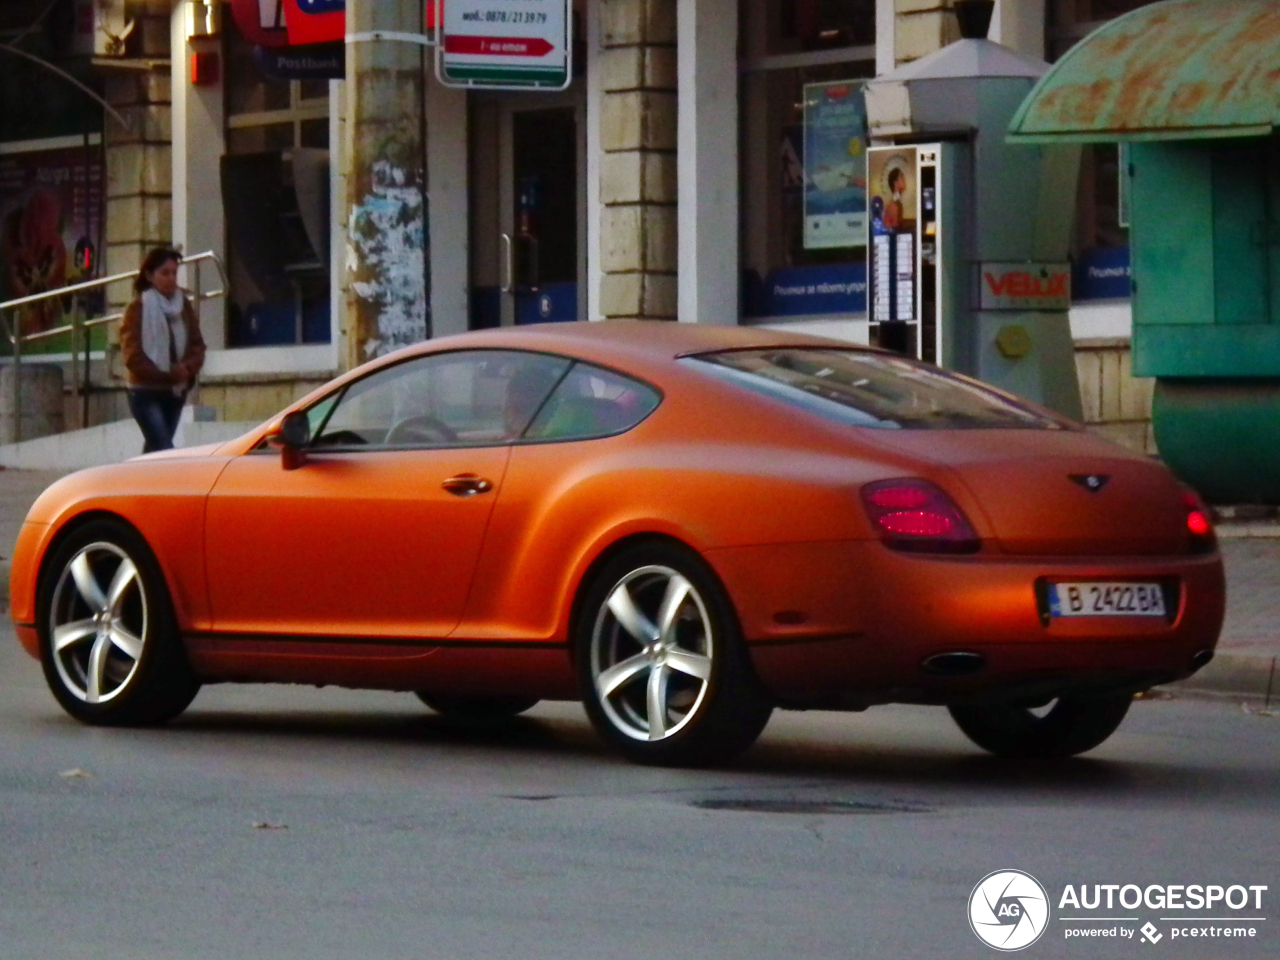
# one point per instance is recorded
(866, 389)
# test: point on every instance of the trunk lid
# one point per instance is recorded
(1062, 493)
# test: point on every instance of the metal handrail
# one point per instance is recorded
(77, 326)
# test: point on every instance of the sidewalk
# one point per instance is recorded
(1246, 664)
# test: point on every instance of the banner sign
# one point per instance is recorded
(1102, 274)
(835, 165)
(1024, 286)
(315, 21)
(506, 44)
(318, 61)
(839, 288)
(892, 174)
(51, 207)
(261, 21)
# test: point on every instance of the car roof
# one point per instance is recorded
(638, 339)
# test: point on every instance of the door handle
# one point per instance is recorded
(467, 485)
(507, 265)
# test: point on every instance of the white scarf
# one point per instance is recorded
(162, 324)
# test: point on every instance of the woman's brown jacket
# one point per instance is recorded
(140, 371)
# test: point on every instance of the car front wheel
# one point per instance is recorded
(1064, 728)
(109, 641)
(665, 677)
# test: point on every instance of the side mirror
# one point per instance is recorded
(291, 439)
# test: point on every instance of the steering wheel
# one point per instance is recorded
(420, 429)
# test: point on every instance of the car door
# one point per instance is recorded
(377, 533)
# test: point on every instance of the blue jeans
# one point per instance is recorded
(157, 413)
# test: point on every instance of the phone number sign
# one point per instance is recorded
(519, 44)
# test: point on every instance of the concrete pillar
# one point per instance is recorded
(199, 141)
(707, 163)
(386, 242)
(447, 166)
(636, 64)
(1019, 24)
(886, 22)
(921, 27)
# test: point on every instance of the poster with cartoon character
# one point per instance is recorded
(50, 225)
(835, 165)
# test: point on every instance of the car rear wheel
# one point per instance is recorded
(108, 637)
(664, 674)
(1069, 726)
(476, 709)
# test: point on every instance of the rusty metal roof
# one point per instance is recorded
(1176, 70)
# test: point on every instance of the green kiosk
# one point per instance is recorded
(1193, 86)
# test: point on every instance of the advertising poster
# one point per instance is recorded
(835, 165)
(895, 208)
(50, 224)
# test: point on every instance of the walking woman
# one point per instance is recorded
(162, 349)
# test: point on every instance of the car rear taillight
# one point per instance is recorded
(1199, 526)
(915, 515)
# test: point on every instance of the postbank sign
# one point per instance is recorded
(1024, 286)
(520, 44)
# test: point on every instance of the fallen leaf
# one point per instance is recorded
(75, 772)
(263, 825)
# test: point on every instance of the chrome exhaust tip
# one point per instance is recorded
(1201, 658)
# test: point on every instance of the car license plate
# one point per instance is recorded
(1106, 600)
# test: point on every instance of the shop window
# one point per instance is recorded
(275, 193)
(790, 49)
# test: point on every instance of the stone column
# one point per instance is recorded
(921, 27)
(638, 237)
(709, 284)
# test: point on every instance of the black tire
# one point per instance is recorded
(704, 720)
(477, 709)
(1073, 725)
(127, 638)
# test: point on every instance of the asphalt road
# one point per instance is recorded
(275, 823)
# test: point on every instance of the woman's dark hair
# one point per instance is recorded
(897, 176)
(152, 262)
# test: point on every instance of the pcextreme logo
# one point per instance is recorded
(1008, 910)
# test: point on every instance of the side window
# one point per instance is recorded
(591, 402)
(468, 398)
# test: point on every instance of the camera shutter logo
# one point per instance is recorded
(1008, 910)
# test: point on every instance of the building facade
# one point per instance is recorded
(666, 181)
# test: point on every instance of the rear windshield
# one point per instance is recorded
(867, 389)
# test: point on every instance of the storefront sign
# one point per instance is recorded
(508, 44)
(1102, 274)
(319, 61)
(835, 165)
(805, 291)
(51, 205)
(261, 21)
(315, 21)
(1024, 286)
(895, 210)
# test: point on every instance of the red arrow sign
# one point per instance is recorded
(499, 46)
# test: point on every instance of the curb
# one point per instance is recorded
(1233, 675)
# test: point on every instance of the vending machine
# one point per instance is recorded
(910, 259)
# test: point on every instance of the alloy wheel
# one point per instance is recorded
(98, 622)
(651, 653)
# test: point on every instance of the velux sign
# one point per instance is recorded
(505, 43)
(1024, 286)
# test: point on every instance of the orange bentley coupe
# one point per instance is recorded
(682, 526)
